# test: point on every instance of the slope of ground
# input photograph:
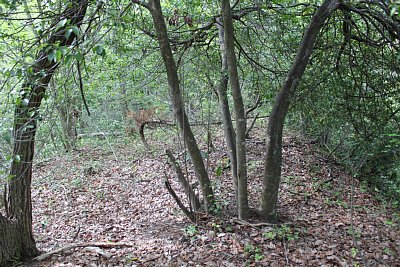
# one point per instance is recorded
(114, 202)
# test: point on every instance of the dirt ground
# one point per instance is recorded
(110, 204)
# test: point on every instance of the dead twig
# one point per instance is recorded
(151, 259)
(285, 250)
(83, 245)
(257, 225)
(81, 88)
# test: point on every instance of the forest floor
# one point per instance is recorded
(111, 203)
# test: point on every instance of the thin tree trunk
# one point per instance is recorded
(273, 158)
(193, 199)
(242, 199)
(69, 115)
(229, 131)
(18, 220)
(177, 103)
(68, 119)
(68, 112)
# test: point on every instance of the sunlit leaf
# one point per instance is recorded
(61, 23)
(25, 102)
(67, 33)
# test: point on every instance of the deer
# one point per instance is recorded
(139, 119)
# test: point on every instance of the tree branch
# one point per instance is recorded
(72, 246)
(189, 214)
(141, 3)
(81, 87)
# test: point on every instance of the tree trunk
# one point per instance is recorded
(193, 199)
(10, 242)
(69, 116)
(273, 158)
(18, 220)
(229, 131)
(177, 103)
(68, 112)
(242, 199)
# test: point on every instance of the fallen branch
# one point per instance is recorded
(151, 259)
(257, 225)
(83, 245)
(100, 135)
(172, 124)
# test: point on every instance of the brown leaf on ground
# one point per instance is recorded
(123, 199)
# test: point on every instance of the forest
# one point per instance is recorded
(200, 133)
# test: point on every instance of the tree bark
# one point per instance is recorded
(193, 199)
(273, 158)
(10, 242)
(229, 131)
(68, 113)
(69, 118)
(17, 222)
(242, 199)
(177, 103)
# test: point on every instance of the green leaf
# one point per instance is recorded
(258, 257)
(218, 171)
(78, 56)
(64, 50)
(51, 55)
(99, 50)
(61, 23)
(25, 102)
(67, 33)
(58, 56)
(68, 59)
(76, 30)
(394, 10)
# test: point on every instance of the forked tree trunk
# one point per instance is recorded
(273, 158)
(177, 102)
(229, 131)
(242, 199)
(16, 238)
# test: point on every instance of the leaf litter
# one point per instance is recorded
(114, 204)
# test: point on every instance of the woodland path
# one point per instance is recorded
(102, 195)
